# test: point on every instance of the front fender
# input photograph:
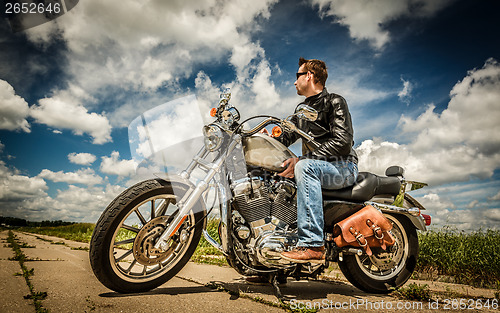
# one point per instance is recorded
(174, 178)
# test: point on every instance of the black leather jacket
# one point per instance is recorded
(332, 129)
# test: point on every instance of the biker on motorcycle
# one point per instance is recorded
(331, 166)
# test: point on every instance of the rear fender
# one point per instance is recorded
(412, 213)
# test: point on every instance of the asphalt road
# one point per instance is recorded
(66, 276)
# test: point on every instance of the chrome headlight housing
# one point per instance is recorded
(213, 137)
(230, 116)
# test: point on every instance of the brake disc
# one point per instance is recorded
(390, 258)
(144, 251)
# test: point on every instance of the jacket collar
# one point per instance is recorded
(313, 99)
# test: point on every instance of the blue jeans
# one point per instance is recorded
(311, 176)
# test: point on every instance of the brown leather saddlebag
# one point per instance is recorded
(367, 228)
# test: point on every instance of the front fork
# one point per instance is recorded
(194, 194)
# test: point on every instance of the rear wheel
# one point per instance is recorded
(385, 270)
(121, 248)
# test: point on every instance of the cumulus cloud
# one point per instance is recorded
(80, 204)
(450, 146)
(114, 166)
(493, 214)
(140, 48)
(471, 218)
(366, 19)
(83, 176)
(25, 197)
(66, 114)
(81, 158)
(16, 187)
(13, 109)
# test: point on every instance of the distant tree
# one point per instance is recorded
(13, 221)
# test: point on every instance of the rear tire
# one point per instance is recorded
(127, 229)
(384, 271)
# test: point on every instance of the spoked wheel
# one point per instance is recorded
(122, 251)
(385, 270)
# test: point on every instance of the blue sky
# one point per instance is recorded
(421, 78)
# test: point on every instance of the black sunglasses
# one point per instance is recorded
(302, 73)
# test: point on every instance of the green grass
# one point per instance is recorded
(470, 258)
(205, 252)
(36, 296)
(414, 292)
(77, 232)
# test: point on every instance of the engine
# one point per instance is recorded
(265, 220)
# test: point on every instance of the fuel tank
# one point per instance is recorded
(266, 152)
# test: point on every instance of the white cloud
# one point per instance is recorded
(66, 113)
(405, 94)
(495, 197)
(83, 176)
(452, 146)
(493, 214)
(81, 158)
(26, 197)
(114, 166)
(15, 187)
(79, 204)
(472, 204)
(366, 19)
(13, 109)
(139, 48)
(445, 213)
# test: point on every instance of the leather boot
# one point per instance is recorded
(305, 255)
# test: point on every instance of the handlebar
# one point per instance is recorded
(287, 124)
(261, 125)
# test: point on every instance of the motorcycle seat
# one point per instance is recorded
(367, 186)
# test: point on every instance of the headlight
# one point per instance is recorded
(213, 137)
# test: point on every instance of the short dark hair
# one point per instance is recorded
(317, 67)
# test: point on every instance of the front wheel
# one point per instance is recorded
(121, 253)
(385, 270)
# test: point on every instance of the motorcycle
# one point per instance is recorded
(149, 232)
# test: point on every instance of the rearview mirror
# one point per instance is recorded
(306, 112)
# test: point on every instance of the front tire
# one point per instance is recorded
(385, 270)
(120, 253)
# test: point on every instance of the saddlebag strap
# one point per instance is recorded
(367, 228)
(377, 231)
(359, 236)
(360, 239)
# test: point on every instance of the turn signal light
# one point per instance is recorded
(213, 112)
(427, 219)
(276, 132)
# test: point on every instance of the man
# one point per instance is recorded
(331, 166)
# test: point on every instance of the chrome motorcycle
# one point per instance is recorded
(149, 232)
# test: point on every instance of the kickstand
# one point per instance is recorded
(277, 291)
